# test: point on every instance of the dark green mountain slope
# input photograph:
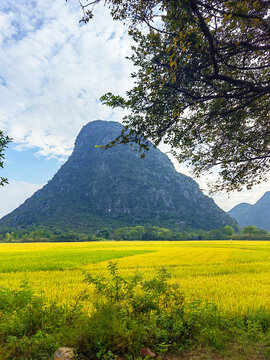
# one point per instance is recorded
(257, 214)
(115, 187)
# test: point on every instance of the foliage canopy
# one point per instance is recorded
(4, 140)
(202, 83)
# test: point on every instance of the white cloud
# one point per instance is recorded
(53, 72)
(14, 194)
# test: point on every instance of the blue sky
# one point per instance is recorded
(53, 71)
(27, 166)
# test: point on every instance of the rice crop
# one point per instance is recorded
(235, 275)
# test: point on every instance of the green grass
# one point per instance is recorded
(67, 259)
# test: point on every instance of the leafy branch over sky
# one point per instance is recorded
(202, 83)
(4, 140)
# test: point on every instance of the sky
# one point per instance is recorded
(53, 71)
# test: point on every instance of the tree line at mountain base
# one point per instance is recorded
(145, 233)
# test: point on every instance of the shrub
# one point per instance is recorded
(131, 314)
(29, 328)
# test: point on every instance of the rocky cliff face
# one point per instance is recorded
(256, 215)
(115, 187)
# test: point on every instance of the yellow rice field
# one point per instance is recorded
(233, 274)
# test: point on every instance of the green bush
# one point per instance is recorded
(29, 328)
(131, 314)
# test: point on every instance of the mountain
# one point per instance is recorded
(98, 188)
(239, 209)
(257, 214)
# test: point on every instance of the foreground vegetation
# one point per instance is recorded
(170, 297)
(131, 318)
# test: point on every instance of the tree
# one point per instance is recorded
(136, 232)
(228, 230)
(202, 83)
(164, 234)
(253, 230)
(103, 233)
(4, 140)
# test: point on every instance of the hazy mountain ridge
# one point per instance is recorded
(239, 209)
(115, 187)
(256, 215)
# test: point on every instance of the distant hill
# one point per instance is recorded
(239, 209)
(98, 188)
(257, 214)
